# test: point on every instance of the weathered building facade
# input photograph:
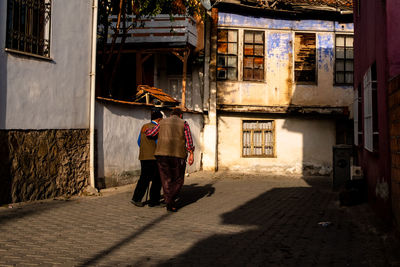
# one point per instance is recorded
(280, 85)
(44, 98)
(377, 87)
(56, 135)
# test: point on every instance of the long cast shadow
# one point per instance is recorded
(36, 207)
(193, 192)
(100, 255)
(287, 233)
(189, 194)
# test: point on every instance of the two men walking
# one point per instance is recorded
(174, 143)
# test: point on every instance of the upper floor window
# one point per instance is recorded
(258, 138)
(344, 60)
(305, 58)
(253, 56)
(28, 26)
(227, 54)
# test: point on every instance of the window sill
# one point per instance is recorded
(12, 51)
(343, 84)
(257, 157)
(306, 83)
(254, 81)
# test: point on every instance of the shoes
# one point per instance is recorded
(157, 204)
(171, 208)
(137, 203)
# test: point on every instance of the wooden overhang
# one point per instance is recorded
(338, 10)
(157, 35)
(152, 95)
(291, 109)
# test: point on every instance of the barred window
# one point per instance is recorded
(28, 26)
(344, 59)
(253, 56)
(227, 56)
(258, 138)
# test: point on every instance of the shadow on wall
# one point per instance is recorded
(3, 90)
(319, 131)
(99, 151)
(117, 129)
(316, 155)
(5, 169)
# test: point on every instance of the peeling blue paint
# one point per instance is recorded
(281, 41)
(342, 27)
(226, 19)
(325, 51)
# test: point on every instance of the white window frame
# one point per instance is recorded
(355, 117)
(369, 133)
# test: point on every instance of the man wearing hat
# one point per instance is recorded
(149, 170)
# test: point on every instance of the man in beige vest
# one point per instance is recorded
(149, 169)
(174, 143)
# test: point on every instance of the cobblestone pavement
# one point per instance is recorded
(224, 220)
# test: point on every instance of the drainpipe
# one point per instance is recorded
(92, 92)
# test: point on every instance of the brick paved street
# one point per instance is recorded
(225, 220)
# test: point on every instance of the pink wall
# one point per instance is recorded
(371, 46)
(393, 36)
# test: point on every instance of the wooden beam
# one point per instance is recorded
(185, 57)
(179, 56)
(138, 69)
(146, 58)
(146, 51)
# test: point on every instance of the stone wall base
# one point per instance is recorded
(40, 164)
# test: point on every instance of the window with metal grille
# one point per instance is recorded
(227, 54)
(305, 58)
(28, 26)
(253, 56)
(258, 138)
(344, 60)
(371, 131)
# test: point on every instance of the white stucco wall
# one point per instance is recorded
(41, 94)
(118, 127)
(301, 144)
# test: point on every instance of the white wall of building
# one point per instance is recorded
(303, 146)
(118, 127)
(41, 94)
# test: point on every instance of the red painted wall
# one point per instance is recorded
(370, 46)
(393, 36)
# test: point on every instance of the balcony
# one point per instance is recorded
(180, 31)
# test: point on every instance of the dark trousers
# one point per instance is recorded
(172, 173)
(149, 172)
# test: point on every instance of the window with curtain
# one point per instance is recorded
(258, 138)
